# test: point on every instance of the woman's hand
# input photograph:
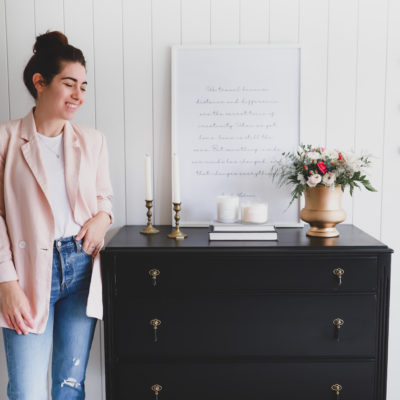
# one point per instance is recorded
(94, 231)
(15, 307)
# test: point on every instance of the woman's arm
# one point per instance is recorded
(14, 304)
(104, 190)
(15, 307)
(94, 230)
(7, 269)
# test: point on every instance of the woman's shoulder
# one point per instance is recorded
(7, 127)
(92, 142)
(7, 130)
(87, 134)
(85, 130)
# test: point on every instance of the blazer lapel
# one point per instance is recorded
(31, 152)
(72, 160)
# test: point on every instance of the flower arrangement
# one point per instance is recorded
(309, 167)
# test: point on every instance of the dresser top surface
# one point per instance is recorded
(351, 238)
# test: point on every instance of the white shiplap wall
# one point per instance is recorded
(349, 95)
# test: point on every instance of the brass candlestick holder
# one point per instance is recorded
(149, 230)
(176, 233)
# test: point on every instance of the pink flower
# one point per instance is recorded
(322, 167)
(313, 180)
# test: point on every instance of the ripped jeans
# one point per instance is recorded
(68, 329)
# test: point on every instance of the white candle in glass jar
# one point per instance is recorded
(256, 213)
(227, 209)
(148, 183)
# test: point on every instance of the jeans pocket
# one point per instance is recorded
(87, 254)
(79, 244)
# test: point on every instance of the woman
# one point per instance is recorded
(54, 212)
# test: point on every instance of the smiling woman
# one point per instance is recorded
(63, 96)
(55, 209)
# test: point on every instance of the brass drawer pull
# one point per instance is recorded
(339, 273)
(155, 323)
(156, 389)
(154, 273)
(338, 324)
(337, 388)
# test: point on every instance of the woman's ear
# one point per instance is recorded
(38, 82)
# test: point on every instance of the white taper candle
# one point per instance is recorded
(147, 171)
(176, 190)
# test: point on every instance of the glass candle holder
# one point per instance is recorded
(255, 213)
(227, 208)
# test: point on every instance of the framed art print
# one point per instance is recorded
(235, 109)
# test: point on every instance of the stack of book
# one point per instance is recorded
(239, 231)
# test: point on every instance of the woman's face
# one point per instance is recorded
(66, 92)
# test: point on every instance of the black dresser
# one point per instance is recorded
(300, 318)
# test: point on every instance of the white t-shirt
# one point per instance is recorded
(52, 152)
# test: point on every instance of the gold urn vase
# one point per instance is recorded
(323, 210)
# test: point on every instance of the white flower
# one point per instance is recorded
(353, 162)
(331, 154)
(313, 180)
(313, 155)
(329, 179)
(301, 178)
(348, 155)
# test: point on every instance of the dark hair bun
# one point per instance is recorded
(50, 51)
(49, 42)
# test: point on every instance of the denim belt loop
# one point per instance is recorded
(78, 246)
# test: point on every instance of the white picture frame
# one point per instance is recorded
(234, 109)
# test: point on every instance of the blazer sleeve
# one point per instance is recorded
(103, 183)
(7, 268)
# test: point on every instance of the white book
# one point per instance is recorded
(239, 227)
(243, 236)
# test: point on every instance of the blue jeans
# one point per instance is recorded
(68, 329)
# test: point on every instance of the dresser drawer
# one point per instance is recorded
(249, 381)
(200, 272)
(244, 325)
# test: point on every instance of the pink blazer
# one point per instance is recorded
(26, 219)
